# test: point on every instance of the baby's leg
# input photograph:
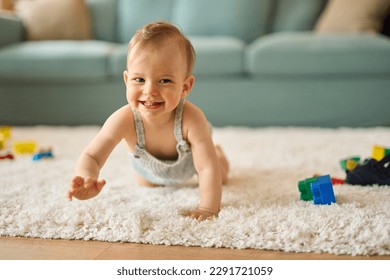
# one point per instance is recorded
(223, 163)
(143, 182)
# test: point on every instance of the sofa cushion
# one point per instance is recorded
(60, 19)
(14, 27)
(294, 54)
(245, 19)
(353, 16)
(217, 55)
(295, 15)
(133, 14)
(59, 60)
(103, 13)
(117, 61)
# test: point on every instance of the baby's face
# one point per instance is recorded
(156, 77)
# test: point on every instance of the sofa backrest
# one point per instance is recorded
(103, 17)
(294, 15)
(117, 20)
(133, 14)
(244, 19)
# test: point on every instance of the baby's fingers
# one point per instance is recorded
(100, 184)
(201, 215)
(77, 180)
(199, 218)
(76, 185)
(93, 184)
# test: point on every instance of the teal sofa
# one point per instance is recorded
(259, 63)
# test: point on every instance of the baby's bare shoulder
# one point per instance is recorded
(121, 117)
(192, 113)
(194, 120)
(120, 123)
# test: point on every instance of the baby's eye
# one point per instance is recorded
(139, 80)
(165, 81)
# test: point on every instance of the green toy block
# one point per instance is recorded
(304, 188)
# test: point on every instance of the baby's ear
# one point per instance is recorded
(125, 76)
(188, 85)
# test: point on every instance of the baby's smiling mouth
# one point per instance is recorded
(151, 104)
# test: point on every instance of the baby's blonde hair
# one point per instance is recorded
(155, 32)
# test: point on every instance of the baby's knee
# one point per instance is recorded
(141, 181)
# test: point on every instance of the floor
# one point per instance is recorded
(20, 248)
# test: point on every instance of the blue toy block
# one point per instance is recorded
(43, 154)
(322, 190)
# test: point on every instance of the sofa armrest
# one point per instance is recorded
(12, 29)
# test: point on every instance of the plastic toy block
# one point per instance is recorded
(322, 190)
(349, 163)
(24, 147)
(319, 189)
(43, 154)
(7, 156)
(304, 188)
(2, 141)
(337, 181)
(379, 152)
(6, 131)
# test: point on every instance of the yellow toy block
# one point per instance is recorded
(351, 164)
(6, 131)
(379, 152)
(24, 147)
(2, 141)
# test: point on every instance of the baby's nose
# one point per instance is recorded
(150, 89)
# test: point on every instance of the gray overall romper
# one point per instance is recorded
(163, 172)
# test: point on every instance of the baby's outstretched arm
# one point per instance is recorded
(86, 183)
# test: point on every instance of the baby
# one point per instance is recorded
(168, 137)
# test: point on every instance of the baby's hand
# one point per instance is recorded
(202, 215)
(85, 188)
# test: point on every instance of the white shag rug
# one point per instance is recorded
(261, 208)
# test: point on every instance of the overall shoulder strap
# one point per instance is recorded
(139, 128)
(178, 121)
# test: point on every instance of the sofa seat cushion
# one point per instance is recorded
(60, 60)
(316, 54)
(215, 55)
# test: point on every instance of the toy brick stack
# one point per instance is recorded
(319, 189)
(371, 171)
(5, 134)
(20, 147)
